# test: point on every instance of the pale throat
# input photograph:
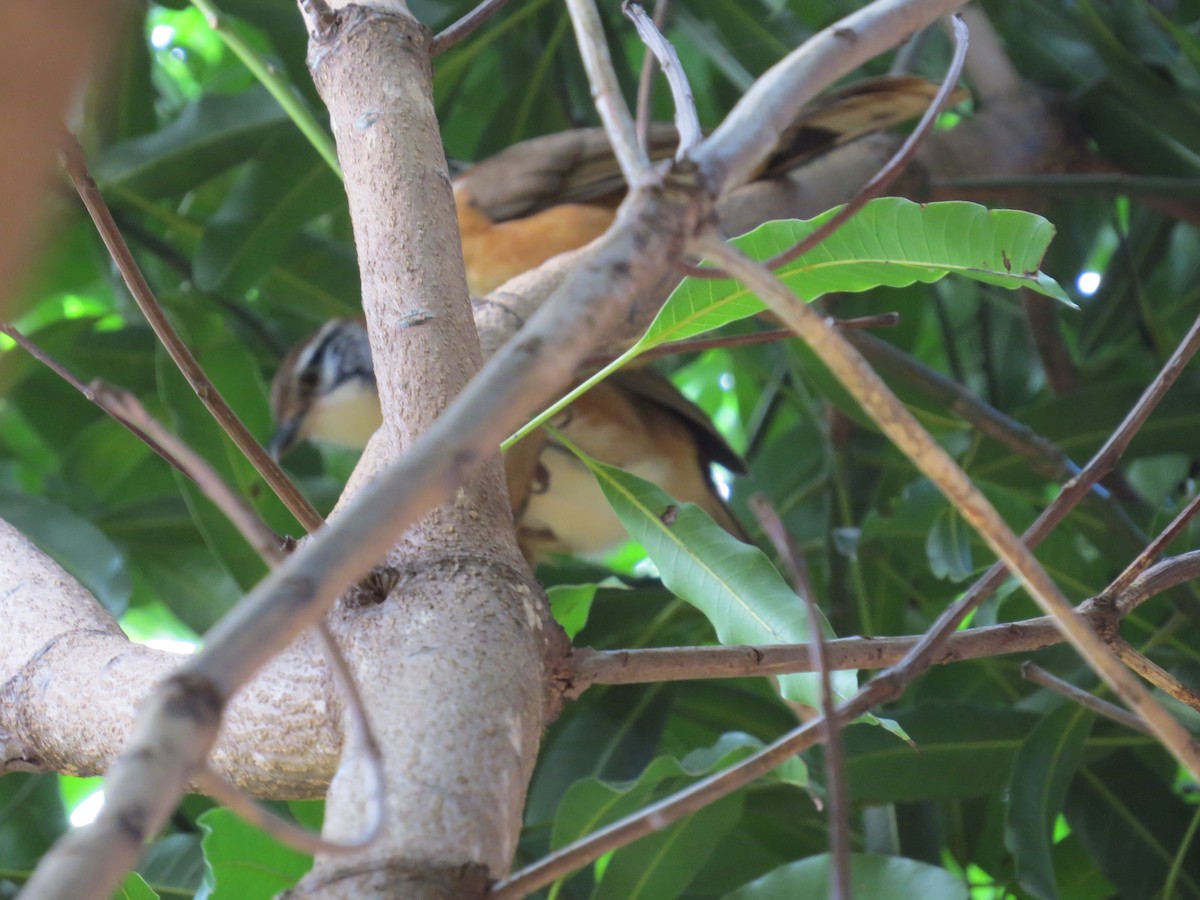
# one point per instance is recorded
(348, 415)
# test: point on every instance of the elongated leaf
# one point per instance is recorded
(871, 878)
(280, 193)
(243, 862)
(134, 887)
(74, 543)
(891, 242)
(213, 133)
(958, 750)
(1135, 827)
(732, 583)
(1041, 774)
(661, 865)
(31, 818)
(592, 803)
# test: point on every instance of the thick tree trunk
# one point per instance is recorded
(452, 663)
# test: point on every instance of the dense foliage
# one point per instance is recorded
(242, 230)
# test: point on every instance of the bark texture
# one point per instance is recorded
(452, 663)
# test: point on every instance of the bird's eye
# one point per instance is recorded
(309, 379)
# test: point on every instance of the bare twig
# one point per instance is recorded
(1040, 676)
(1068, 498)
(1042, 314)
(260, 817)
(749, 134)
(606, 92)
(880, 180)
(1155, 547)
(1156, 674)
(126, 407)
(904, 430)
(1159, 577)
(696, 345)
(460, 30)
(66, 375)
(1046, 458)
(687, 122)
(646, 79)
(857, 653)
(835, 763)
(658, 815)
(1074, 185)
(76, 166)
(783, 542)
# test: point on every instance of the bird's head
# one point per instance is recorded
(325, 389)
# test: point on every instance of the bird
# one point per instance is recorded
(555, 193)
(528, 203)
(636, 420)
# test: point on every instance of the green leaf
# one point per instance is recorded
(1134, 826)
(871, 878)
(958, 750)
(74, 543)
(891, 242)
(134, 887)
(243, 862)
(948, 546)
(174, 865)
(660, 865)
(591, 803)
(283, 190)
(733, 584)
(1041, 773)
(212, 134)
(31, 818)
(570, 605)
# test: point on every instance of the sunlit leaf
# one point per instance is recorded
(732, 583)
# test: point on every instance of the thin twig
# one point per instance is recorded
(712, 788)
(296, 502)
(1072, 493)
(1040, 676)
(697, 345)
(835, 764)
(1143, 560)
(1156, 674)
(931, 459)
(781, 539)
(646, 80)
(259, 816)
(1075, 185)
(1042, 315)
(126, 408)
(1046, 458)
(880, 180)
(460, 30)
(606, 92)
(638, 666)
(658, 815)
(268, 545)
(687, 121)
(66, 375)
